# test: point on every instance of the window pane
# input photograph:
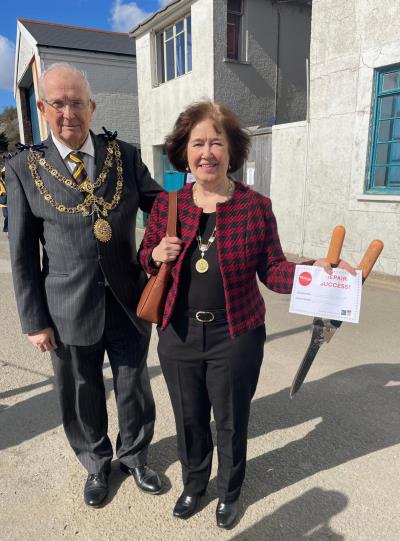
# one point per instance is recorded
(384, 130)
(387, 153)
(389, 130)
(380, 177)
(391, 81)
(189, 42)
(235, 5)
(177, 49)
(160, 58)
(180, 54)
(170, 60)
(232, 49)
(179, 26)
(395, 129)
(382, 153)
(390, 106)
(169, 32)
(394, 150)
(394, 176)
(233, 36)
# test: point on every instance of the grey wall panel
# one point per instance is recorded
(261, 154)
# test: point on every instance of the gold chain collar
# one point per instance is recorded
(92, 203)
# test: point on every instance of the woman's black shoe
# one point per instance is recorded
(226, 514)
(186, 506)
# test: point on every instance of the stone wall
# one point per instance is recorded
(348, 41)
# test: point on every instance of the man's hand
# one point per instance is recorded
(43, 340)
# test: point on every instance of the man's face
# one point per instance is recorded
(67, 107)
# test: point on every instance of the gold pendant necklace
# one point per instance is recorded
(102, 230)
(202, 264)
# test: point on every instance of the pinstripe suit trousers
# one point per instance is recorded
(80, 385)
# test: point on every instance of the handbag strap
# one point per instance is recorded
(172, 213)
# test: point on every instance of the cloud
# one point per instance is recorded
(124, 17)
(7, 58)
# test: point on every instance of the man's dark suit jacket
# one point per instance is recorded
(65, 288)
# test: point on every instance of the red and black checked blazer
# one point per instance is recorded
(247, 244)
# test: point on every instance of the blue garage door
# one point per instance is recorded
(33, 116)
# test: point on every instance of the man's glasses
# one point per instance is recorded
(74, 105)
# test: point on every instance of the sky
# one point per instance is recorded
(116, 15)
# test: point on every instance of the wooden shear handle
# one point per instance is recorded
(370, 257)
(335, 246)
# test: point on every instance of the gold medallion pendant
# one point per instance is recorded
(201, 265)
(102, 230)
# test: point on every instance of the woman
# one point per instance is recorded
(212, 335)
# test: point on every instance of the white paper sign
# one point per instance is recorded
(336, 296)
(251, 169)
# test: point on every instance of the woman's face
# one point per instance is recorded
(208, 153)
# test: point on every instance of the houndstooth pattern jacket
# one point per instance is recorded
(247, 243)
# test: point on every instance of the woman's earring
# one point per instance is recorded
(229, 167)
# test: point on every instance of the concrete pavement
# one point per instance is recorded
(322, 466)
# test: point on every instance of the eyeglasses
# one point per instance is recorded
(60, 106)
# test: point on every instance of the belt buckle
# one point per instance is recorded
(204, 317)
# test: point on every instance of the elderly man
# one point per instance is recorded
(78, 197)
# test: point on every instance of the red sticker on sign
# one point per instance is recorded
(305, 279)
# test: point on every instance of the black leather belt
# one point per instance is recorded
(206, 316)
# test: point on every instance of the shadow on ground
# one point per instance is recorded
(355, 413)
(38, 414)
(306, 517)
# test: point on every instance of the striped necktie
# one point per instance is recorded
(79, 173)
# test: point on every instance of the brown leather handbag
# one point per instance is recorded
(152, 300)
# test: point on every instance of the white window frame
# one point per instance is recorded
(161, 38)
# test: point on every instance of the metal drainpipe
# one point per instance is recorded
(306, 160)
(277, 64)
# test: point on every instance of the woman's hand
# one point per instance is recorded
(323, 262)
(167, 251)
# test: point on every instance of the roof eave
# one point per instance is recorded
(51, 46)
(157, 18)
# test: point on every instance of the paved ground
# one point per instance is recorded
(323, 466)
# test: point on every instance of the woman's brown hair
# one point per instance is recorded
(238, 139)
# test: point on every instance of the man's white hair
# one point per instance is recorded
(63, 66)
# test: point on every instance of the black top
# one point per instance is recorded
(202, 291)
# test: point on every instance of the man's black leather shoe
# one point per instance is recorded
(145, 478)
(226, 514)
(186, 506)
(96, 489)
